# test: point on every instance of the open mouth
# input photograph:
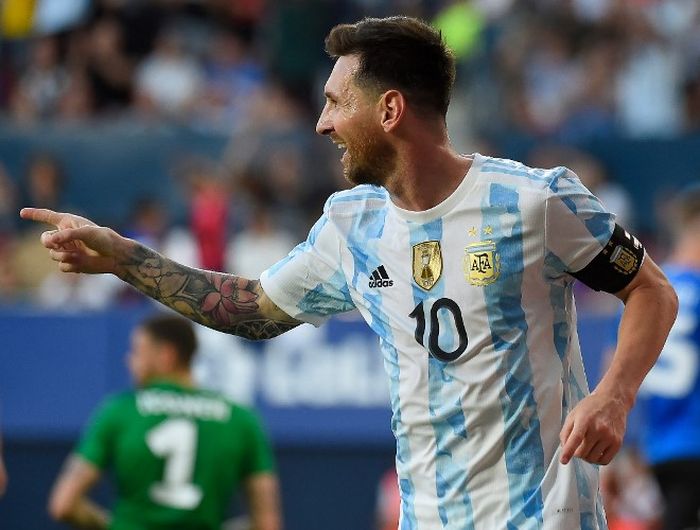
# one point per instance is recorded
(343, 147)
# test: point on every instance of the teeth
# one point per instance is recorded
(341, 146)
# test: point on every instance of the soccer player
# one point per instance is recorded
(463, 265)
(671, 392)
(177, 453)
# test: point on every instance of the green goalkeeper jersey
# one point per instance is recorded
(177, 455)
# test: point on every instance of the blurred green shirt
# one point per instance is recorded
(178, 455)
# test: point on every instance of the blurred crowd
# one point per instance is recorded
(567, 69)
(561, 72)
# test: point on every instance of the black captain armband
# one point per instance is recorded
(616, 265)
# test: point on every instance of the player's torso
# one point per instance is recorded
(167, 459)
(459, 289)
(466, 316)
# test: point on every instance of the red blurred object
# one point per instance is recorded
(209, 224)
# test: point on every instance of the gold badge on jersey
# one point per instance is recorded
(482, 264)
(427, 264)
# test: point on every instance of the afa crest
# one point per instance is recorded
(427, 264)
(482, 264)
(624, 260)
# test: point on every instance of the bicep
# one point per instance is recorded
(649, 275)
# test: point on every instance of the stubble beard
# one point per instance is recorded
(370, 163)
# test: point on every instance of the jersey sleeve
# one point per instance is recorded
(259, 458)
(97, 441)
(309, 283)
(577, 225)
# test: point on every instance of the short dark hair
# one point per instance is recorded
(400, 53)
(174, 330)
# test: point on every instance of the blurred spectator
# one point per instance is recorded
(44, 186)
(691, 92)
(592, 111)
(100, 54)
(292, 33)
(45, 182)
(649, 81)
(10, 284)
(8, 205)
(9, 281)
(43, 84)
(169, 80)
(74, 292)
(631, 496)
(232, 77)
(388, 502)
(209, 213)
(551, 78)
(148, 222)
(53, 16)
(3, 471)
(260, 245)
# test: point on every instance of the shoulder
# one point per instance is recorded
(363, 198)
(113, 407)
(518, 174)
(119, 400)
(242, 414)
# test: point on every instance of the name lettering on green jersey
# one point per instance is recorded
(156, 402)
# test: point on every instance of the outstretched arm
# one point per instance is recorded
(220, 301)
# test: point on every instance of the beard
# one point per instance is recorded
(371, 162)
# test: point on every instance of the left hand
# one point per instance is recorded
(594, 429)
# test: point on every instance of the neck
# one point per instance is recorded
(428, 170)
(180, 378)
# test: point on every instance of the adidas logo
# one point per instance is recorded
(380, 278)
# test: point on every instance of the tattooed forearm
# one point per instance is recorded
(221, 301)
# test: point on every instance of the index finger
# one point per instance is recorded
(43, 215)
(574, 439)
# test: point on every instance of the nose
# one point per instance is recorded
(323, 126)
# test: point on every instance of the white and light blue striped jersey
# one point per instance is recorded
(473, 305)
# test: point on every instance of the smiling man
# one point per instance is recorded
(463, 266)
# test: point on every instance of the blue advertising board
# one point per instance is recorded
(324, 386)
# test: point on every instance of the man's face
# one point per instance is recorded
(142, 358)
(351, 117)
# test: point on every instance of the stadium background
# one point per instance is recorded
(189, 125)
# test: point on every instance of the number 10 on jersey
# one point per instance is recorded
(449, 307)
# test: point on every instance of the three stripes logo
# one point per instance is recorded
(380, 278)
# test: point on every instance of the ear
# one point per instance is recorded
(392, 106)
(168, 357)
